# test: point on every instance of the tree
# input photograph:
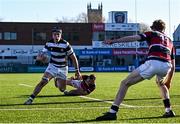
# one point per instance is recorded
(64, 19)
(81, 18)
(143, 27)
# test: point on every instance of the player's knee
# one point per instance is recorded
(125, 83)
(44, 80)
(160, 83)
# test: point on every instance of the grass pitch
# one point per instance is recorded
(142, 103)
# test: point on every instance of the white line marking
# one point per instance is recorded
(85, 97)
(105, 101)
(42, 109)
(26, 85)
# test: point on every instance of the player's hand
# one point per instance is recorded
(108, 42)
(43, 57)
(72, 78)
(39, 57)
(78, 75)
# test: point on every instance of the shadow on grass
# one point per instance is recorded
(40, 96)
(51, 103)
(92, 120)
(111, 121)
(89, 101)
(141, 99)
(46, 96)
(177, 116)
(172, 96)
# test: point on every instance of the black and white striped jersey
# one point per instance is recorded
(59, 52)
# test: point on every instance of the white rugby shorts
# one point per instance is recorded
(76, 83)
(57, 72)
(154, 67)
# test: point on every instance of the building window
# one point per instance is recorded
(67, 36)
(13, 36)
(75, 37)
(10, 36)
(98, 36)
(101, 36)
(7, 36)
(39, 36)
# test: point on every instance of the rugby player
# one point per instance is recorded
(160, 62)
(59, 50)
(82, 87)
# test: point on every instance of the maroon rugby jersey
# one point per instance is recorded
(160, 46)
(87, 87)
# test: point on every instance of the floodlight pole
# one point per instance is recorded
(32, 43)
(136, 64)
(169, 8)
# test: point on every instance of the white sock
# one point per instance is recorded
(112, 111)
(31, 98)
(167, 109)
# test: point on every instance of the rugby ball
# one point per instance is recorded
(44, 57)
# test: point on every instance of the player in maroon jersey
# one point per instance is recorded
(160, 62)
(82, 87)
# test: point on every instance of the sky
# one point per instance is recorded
(140, 11)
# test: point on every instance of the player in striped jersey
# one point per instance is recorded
(160, 62)
(59, 51)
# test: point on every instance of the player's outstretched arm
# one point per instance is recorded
(75, 92)
(76, 65)
(123, 39)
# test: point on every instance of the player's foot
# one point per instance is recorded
(169, 114)
(28, 102)
(55, 83)
(107, 116)
(66, 92)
